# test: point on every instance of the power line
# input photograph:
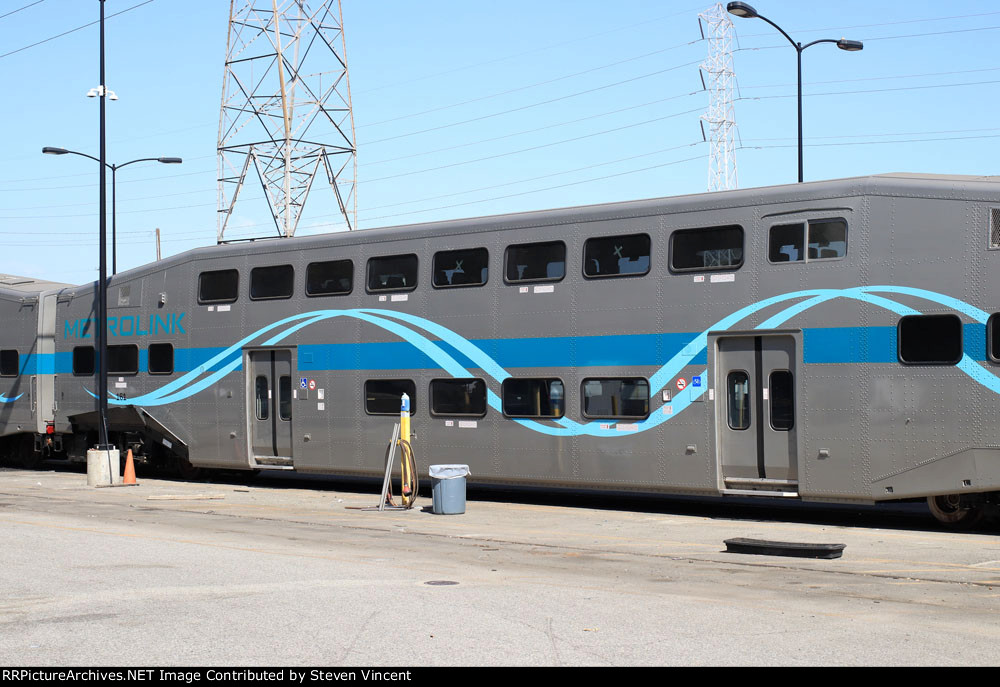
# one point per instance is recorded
(37, 2)
(66, 33)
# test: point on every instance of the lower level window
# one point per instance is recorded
(738, 399)
(993, 338)
(458, 397)
(384, 396)
(83, 360)
(616, 398)
(533, 398)
(930, 339)
(9, 363)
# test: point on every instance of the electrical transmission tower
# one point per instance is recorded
(721, 117)
(286, 108)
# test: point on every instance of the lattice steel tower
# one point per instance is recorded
(286, 108)
(721, 116)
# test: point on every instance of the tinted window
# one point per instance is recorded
(458, 397)
(83, 360)
(930, 339)
(738, 399)
(218, 287)
(161, 358)
(382, 396)
(782, 396)
(285, 397)
(9, 363)
(616, 398)
(536, 262)
(461, 267)
(392, 273)
(714, 248)
(330, 278)
(616, 256)
(533, 397)
(123, 360)
(262, 400)
(827, 239)
(276, 281)
(993, 338)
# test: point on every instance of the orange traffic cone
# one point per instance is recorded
(129, 469)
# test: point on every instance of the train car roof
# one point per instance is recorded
(22, 285)
(952, 186)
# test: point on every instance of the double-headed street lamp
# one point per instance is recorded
(49, 150)
(741, 9)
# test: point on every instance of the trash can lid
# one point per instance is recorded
(448, 471)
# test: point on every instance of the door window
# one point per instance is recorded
(738, 386)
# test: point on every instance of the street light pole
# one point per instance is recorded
(102, 288)
(50, 150)
(741, 9)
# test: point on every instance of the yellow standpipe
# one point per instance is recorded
(406, 488)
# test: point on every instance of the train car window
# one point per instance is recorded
(786, 242)
(461, 268)
(272, 282)
(616, 256)
(383, 396)
(993, 338)
(123, 359)
(533, 397)
(782, 396)
(458, 397)
(285, 397)
(535, 262)
(392, 273)
(9, 363)
(827, 239)
(709, 248)
(262, 399)
(83, 360)
(222, 286)
(930, 339)
(333, 278)
(738, 399)
(161, 358)
(616, 398)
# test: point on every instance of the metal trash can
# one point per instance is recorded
(448, 488)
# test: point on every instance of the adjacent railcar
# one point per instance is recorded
(827, 341)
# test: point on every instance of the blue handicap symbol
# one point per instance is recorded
(696, 381)
(303, 383)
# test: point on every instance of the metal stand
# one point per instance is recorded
(391, 455)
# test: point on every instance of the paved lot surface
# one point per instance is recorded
(276, 572)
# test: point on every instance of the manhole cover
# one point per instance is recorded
(440, 583)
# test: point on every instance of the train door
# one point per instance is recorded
(755, 413)
(269, 377)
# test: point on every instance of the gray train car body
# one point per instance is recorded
(827, 341)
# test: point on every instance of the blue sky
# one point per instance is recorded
(572, 103)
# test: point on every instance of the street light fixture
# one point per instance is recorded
(50, 150)
(742, 9)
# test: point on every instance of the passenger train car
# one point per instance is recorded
(828, 341)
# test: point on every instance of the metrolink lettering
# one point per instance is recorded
(127, 325)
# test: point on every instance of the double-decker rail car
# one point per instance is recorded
(827, 341)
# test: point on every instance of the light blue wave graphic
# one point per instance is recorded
(409, 328)
(4, 399)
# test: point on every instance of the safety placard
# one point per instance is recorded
(681, 384)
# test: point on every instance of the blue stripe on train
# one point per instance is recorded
(822, 345)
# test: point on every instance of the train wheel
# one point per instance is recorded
(950, 510)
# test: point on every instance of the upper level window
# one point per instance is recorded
(461, 267)
(536, 262)
(221, 286)
(9, 363)
(711, 248)
(827, 238)
(332, 278)
(392, 273)
(930, 339)
(616, 256)
(276, 281)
